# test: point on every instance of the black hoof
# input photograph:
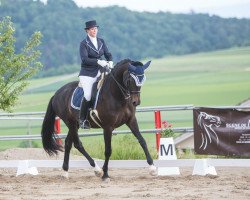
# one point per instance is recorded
(65, 167)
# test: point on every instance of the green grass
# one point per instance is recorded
(203, 79)
(123, 147)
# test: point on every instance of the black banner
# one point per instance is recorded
(221, 131)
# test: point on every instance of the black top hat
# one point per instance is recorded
(90, 24)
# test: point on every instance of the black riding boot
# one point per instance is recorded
(83, 121)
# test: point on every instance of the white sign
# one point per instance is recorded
(24, 168)
(167, 152)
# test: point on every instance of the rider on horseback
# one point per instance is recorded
(91, 51)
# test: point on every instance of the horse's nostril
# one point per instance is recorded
(136, 103)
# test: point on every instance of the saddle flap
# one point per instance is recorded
(76, 98)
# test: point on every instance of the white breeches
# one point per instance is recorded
(87, 84)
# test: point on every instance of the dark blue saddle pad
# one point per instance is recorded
(76, 98)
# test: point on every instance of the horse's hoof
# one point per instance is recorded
(65, 175)
(106, 180)
(99, 173)
(152, 170)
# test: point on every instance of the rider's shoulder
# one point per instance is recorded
(102, 40)
(83, 43)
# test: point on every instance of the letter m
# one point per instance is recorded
(166, 152)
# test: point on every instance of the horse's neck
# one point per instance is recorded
(113, 82)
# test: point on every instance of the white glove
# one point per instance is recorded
(110, 64)
(103, 63)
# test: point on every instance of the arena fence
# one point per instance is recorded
(119, 163)
(157, 116)
(156, 109)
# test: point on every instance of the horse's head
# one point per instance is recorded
(134, 78)
(208, 119)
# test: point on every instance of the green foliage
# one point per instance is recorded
(134, 35)
(15, 68)
(167, 130)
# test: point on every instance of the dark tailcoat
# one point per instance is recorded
(89, 56)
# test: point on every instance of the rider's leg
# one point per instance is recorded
(87, 84)
(83, 117)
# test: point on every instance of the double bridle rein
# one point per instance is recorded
(125, 91)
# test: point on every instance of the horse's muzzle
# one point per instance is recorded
(136, 101)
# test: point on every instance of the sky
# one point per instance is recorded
(223, 8)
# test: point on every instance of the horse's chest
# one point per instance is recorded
(123, 116)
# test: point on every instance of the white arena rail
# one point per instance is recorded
(200, 166)
(127, 163)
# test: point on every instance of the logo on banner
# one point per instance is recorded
(221, 131)
(207, 124)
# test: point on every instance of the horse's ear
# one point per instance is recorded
(146, 65)
(131, 67)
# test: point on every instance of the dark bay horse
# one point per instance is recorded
(119, 96)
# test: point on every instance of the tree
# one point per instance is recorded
(16, 68)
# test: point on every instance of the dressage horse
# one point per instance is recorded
(118, 98)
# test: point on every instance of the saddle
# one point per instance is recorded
(78, 93)
(77, 97)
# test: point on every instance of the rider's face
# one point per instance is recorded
(92, 31)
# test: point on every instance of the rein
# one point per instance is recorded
(125, 92)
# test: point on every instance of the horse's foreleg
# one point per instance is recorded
(133, 125)
(108, 151)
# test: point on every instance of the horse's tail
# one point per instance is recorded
(47, 133)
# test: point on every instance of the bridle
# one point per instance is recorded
(126, 81)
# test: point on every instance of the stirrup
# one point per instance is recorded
(84, 124)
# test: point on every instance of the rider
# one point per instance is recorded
(91, 51)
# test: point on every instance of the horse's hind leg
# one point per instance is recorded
(78, 145)
(67, 146)
(108, 151)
